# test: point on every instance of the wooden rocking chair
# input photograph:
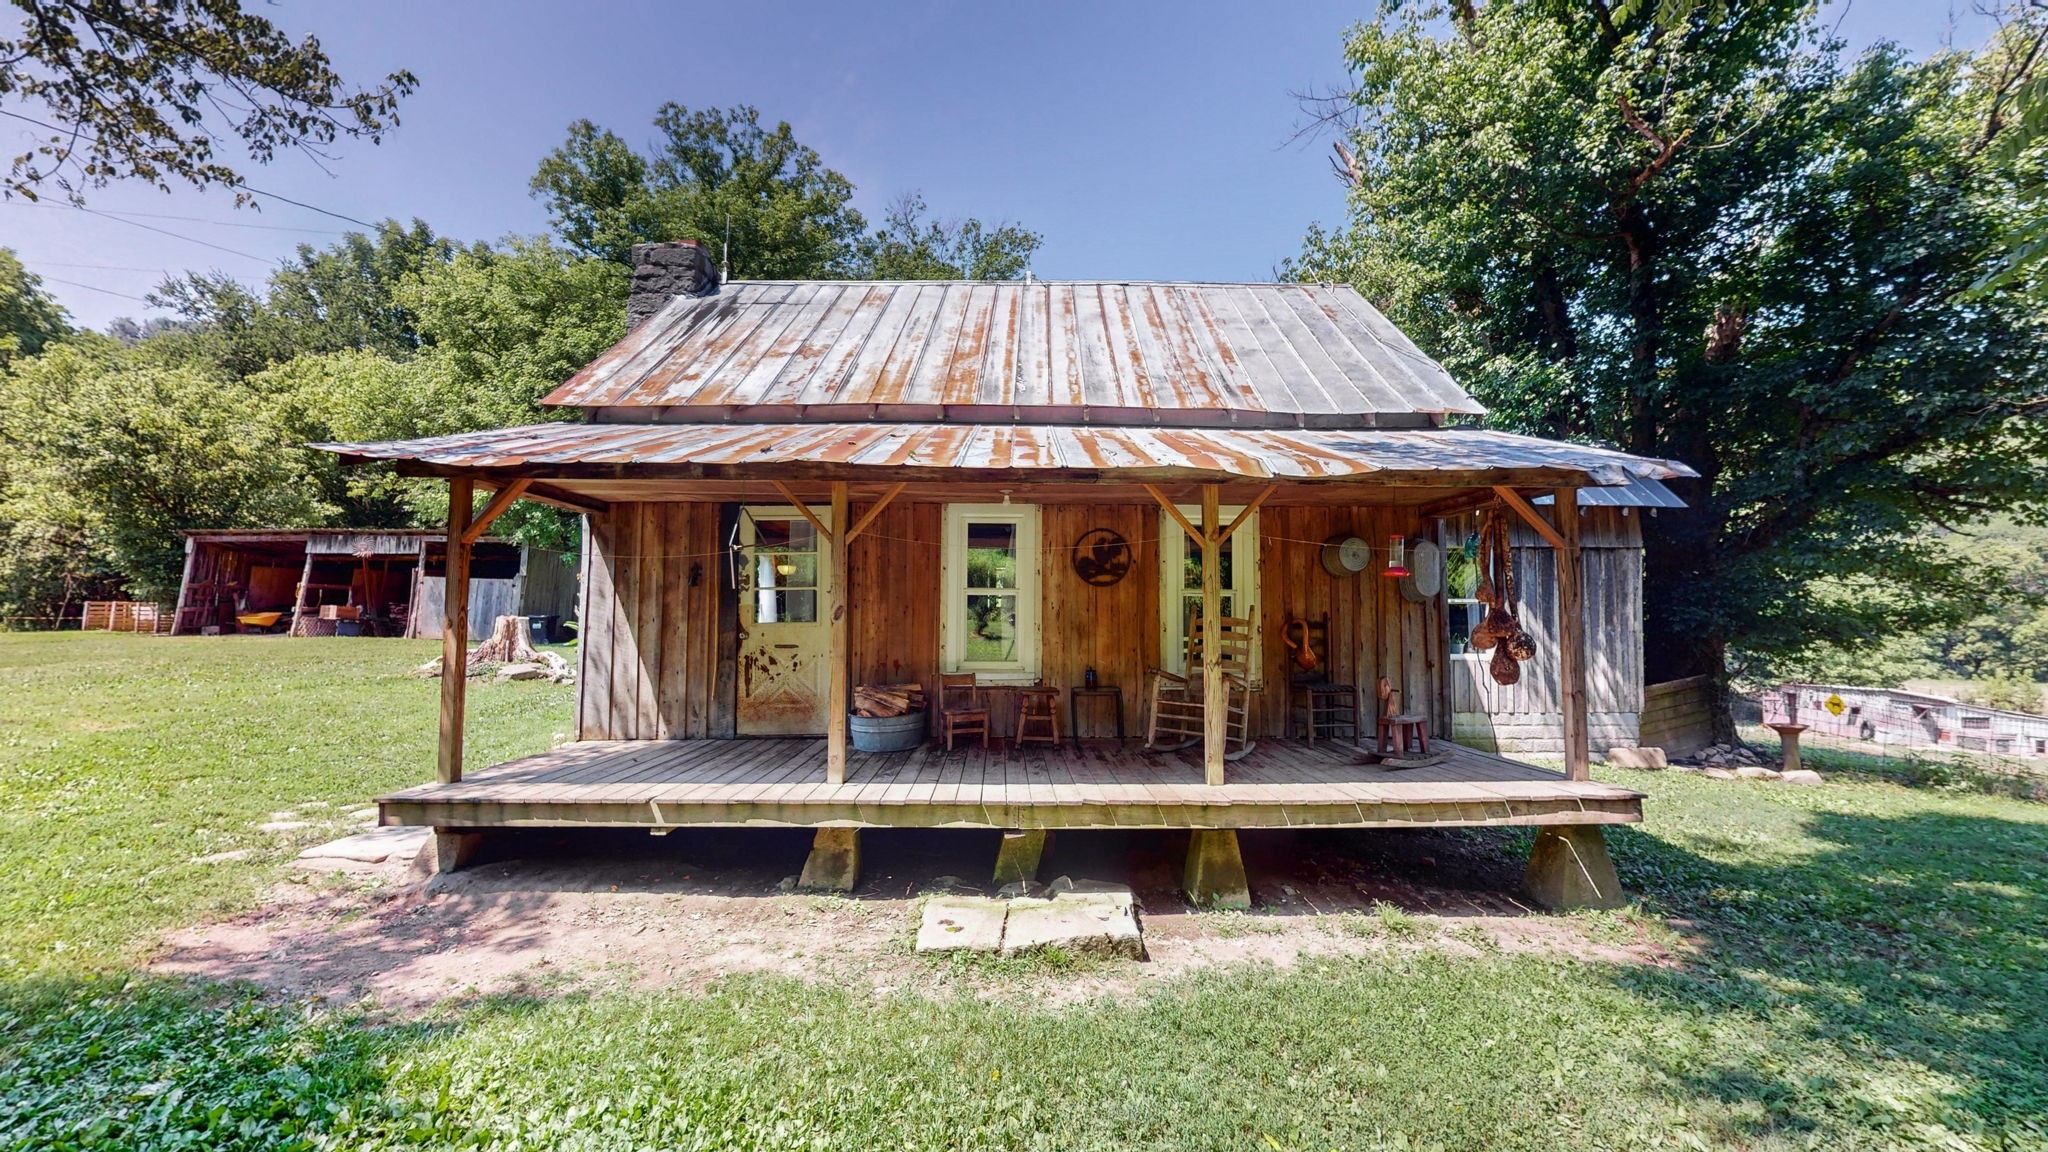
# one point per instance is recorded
(1178, 708)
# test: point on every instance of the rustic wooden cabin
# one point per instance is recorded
(384, 581)
(794, 488)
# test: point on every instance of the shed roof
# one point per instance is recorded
(1037, 352)
(1448, 456)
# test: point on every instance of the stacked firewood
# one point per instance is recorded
(877, 700)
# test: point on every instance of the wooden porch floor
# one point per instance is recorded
(1087, 784)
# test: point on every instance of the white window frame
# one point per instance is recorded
(953, 576)
(1244, 584)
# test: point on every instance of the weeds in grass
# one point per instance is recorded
(1395, 921)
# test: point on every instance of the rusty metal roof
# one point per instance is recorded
(1038, 352)
(1448, 456)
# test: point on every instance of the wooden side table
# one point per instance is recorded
(1108, 691)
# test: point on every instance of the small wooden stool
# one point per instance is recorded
(1038, 716)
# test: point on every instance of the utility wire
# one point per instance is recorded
(176, 235)
(238, 184)
(90, 288)
(175, 216)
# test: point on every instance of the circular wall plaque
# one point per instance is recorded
(1346, 555)
(1101, 557)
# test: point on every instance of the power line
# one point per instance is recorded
(174, 216)
(96, 267)
(238, 184)
(90, 288)
(177, 236)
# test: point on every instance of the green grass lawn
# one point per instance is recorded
(1871, 972)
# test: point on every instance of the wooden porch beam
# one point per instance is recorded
(836, 646)
(455, 631)
(550, 495)
(499, 503)
(1174, 511)
(1215, 696)
(838, 487)
(1245, 513)
(1571, 636)
(1456, 505)
(1528, 512)
(873, 511)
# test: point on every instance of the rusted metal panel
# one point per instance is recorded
(1390, 455)
(1048, 351)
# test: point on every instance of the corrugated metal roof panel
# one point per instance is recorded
(1047, 351)
(1386, 455)
(1634, 494)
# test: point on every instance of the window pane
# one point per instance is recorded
(772, 607)
(1461, 573)
(785, 535)
(785, 569)
(1465, 617)
(1191, 570)
(991, 628)
(991, 555)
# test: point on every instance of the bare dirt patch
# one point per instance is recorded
(543, 911)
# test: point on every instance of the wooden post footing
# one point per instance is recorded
(1570, 868)
(455, 849)
(1215, 870)
(834, 862)
(1017, 859)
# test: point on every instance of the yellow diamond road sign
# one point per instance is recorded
(1835, 705)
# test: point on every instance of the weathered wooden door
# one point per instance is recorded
(785, 609)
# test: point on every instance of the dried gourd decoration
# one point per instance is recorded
(1522, 646)
(1504, 668)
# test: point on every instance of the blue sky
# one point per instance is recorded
(1148, 141)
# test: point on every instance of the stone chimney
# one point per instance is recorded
(662, 272)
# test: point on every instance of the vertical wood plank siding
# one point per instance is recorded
(651, 606)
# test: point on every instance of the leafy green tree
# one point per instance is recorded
(131, 453)
(1703, 234)
(153, 91)
(909, 246)
(510, 324)
(712, 170)
(29, 318)
(343, 297)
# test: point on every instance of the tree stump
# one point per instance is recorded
(508, 644)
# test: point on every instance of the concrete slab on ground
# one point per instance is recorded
(962, 924)
(372, 847)
(1086, 917)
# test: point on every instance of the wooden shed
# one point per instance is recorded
(1002, 493)
(384, 581)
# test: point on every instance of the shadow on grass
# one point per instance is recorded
(1896, 980)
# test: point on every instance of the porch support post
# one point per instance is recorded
(1214, 875)
(835, 705)
(1571, 635)
(1570, 868)
(834, 862)
(455, 630)
(1215, 701)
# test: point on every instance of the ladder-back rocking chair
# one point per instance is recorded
(1178, 706)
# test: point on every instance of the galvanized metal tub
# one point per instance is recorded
(887, 733)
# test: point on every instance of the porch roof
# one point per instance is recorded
(1438, 457)
(1031, 352)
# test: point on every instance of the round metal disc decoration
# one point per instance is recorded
(1346, 555)
(1425, 572)
(1101, 557)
